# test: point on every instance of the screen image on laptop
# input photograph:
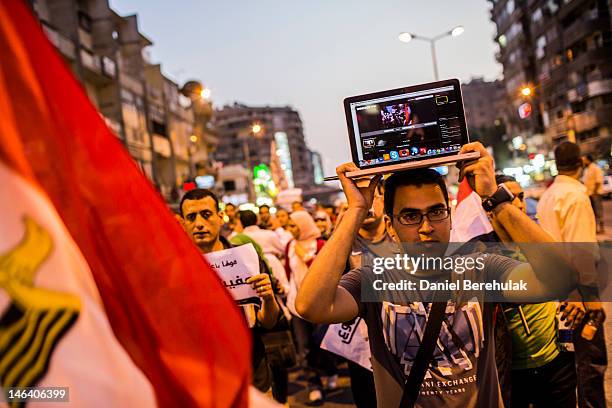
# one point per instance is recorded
(413, 123)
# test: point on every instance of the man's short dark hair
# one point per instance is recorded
(416, 177)
(247, 218)
(198, 194)
(567, 156)
(503, 178)
(228, 204)
(264, 206)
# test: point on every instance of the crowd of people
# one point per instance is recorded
(311, 263)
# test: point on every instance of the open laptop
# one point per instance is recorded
(417, 126)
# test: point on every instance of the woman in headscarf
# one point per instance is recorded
(300, 253)
(303, 248)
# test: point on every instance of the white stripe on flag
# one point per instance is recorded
(87, 357)
(470, 219)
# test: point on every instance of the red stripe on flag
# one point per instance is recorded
(463, 191)
(167, 307)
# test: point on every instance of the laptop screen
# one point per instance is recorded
(408, 126)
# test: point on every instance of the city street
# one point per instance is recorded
(171, 198)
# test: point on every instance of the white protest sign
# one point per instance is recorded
(349, 340)
(234, 266)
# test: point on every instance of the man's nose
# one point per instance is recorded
(199, 222)
(426, 227)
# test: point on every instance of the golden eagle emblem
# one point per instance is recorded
(36, 318)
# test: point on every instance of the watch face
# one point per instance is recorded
(502, 195)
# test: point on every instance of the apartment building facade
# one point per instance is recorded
(561, 50)
(280, 127)
(145, 109)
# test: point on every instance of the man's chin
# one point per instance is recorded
(203, 241)
(369, 221)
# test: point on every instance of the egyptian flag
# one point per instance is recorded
(470, 221)
(101, 291)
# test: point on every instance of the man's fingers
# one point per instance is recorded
(467, 170)
(346, 167)
(373, 184)
(474, 147)
(573, 314)
(256, 278)
(568, 308)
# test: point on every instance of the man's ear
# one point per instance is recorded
(180, 220)
(390, 229)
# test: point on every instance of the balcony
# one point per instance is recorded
(584, 26)
(63, 44)
(589, 90)
(584, 121)
(568, 7)
(85, 39)
(109, 67)
(100, 70)
(161, 145)
(91, 61)
(113, 125)
(132, 84)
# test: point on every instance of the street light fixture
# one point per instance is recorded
(257, 131)
(526, 91)
(205, 93)
(406, 37)
(256, 128)
(457, 31)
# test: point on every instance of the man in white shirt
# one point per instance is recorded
(593, 179)
(270, 244)
(565, 212)
(267, 240)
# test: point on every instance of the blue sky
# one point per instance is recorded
(311, 54)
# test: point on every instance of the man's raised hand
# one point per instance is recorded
(357, 197)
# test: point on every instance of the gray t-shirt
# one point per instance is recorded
(463, 371)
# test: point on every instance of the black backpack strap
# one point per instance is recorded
(424, 355)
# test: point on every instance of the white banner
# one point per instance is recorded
(234, 266)
(349, 340)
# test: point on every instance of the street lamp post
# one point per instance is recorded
(407, 37)
(255, 130)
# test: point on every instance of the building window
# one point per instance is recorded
(514, 30)
(540, 47)
(552, 6)
(229, 185)
(159, 128)
(127, 96)
(84, 21)
(536, 17)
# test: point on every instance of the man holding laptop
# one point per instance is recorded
(417, 211)
(426, 352)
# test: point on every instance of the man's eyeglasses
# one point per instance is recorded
(416, 217)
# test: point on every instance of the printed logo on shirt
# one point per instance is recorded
(459, 344)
